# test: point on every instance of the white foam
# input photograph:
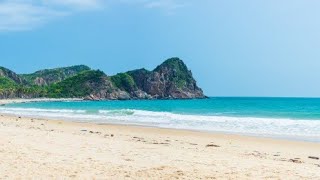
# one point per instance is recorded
(41, 110)
(297, 129)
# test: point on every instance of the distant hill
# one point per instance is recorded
(170, 80)
(13, 85)
(49, 76)
(10, 75)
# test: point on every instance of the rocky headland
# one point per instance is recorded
(170, 80)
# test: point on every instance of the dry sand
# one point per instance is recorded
(47, 149)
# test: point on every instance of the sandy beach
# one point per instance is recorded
(50, 149)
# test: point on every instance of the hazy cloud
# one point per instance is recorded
(16, 15)
(167, 5)
(21, 16)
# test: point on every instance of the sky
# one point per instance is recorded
(233, 47)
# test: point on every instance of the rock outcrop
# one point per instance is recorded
(170, 80)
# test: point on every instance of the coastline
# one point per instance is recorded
(63, 149)
(9, 101)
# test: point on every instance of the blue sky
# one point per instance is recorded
(234, 47)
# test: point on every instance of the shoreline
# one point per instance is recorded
(63, 149)
(217, 133)
(10, 101)
(3, 102)
(164, 129)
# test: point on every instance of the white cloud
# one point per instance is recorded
(167, 5)
(17, 15)
(21, 16)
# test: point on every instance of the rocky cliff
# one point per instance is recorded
(170, 80)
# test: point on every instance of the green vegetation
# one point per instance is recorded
(6, 83)
(4, 72)
(181, 83)
(181, 76)
(51, 76)
(8, 86)
(80, 85)
(31, 91)
(124, 82)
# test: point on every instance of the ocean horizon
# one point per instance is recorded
(293, 118)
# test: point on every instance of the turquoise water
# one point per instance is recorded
(292, 118)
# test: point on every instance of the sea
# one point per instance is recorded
(284, 118)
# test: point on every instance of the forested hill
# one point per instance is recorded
(170, 80)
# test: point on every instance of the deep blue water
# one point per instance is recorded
(297, 118)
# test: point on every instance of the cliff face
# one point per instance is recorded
(50, 76)
(170, 80)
